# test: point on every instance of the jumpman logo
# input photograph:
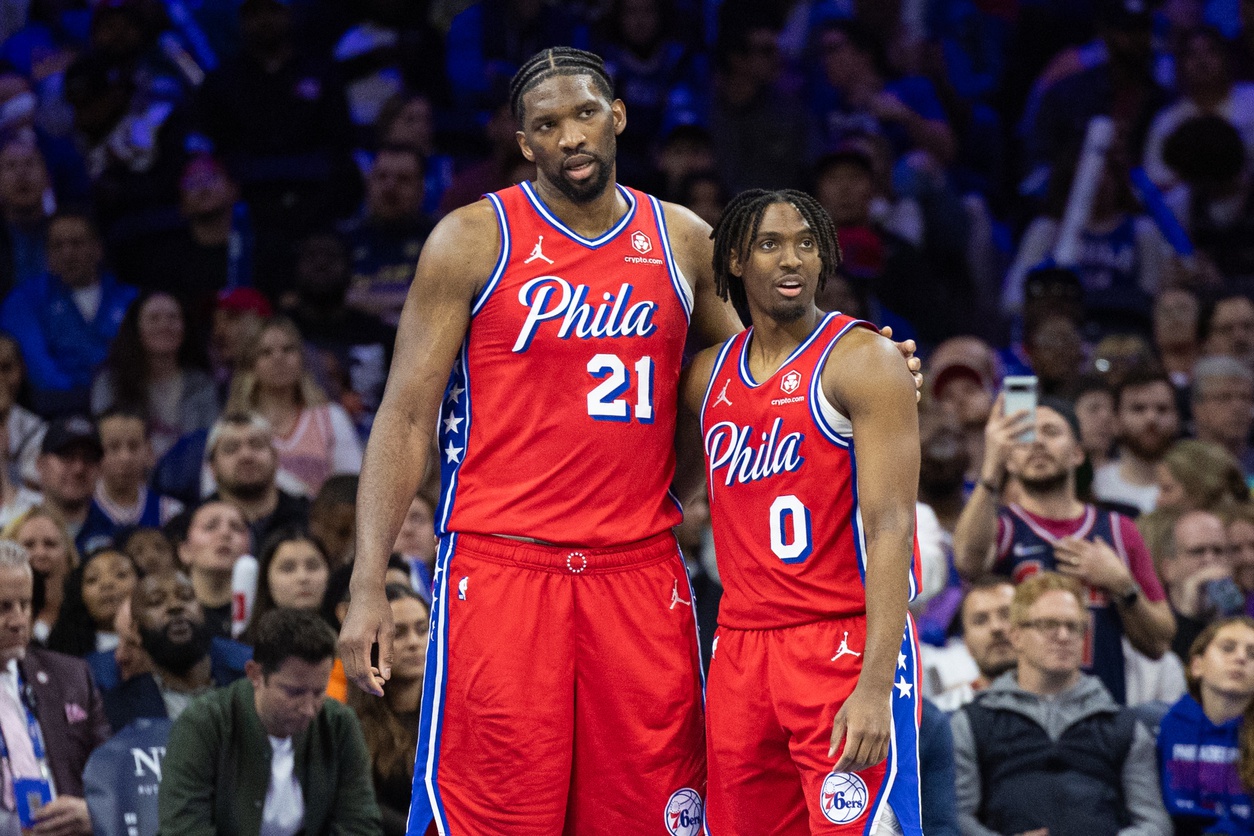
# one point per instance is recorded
(722, 396)
(536, 252)
(675, 599)
(844, 650)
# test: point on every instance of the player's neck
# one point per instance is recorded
(592, 218)
(774, 339)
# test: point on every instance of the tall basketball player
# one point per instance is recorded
(543, 336)
(812, 454)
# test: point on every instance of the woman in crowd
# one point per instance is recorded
(390, 722)
(1206, 740)
(293, 573)
(158, 370)
(93, 594)
(217, 536)
(42, 532)
(1200, 475)
(314, 438)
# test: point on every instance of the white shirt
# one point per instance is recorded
(284, 813)
(1110, 486)
(87, 300)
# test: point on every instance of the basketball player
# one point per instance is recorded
(543, 336)
(812, 710)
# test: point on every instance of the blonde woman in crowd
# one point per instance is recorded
(43, 534)
(314, 437)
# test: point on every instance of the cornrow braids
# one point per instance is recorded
(738, 227)
(555, 61)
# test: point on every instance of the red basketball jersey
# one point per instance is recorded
(558, 422)
(783, 489)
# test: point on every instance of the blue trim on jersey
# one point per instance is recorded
(591, 243)
(502, 260)
(796, 352)
(901, 788)
(709, 386)
(855, 517)
(449, 470)
(425, 803)
(672, 268)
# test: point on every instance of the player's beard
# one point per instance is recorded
(589, 190)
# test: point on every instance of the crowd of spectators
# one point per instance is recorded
(210, 214)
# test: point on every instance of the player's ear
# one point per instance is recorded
(734, 266)
(619, 112)
(524, 147)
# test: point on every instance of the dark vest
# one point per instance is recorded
(1027, 781)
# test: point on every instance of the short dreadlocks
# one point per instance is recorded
(558, 60)
(739, 226)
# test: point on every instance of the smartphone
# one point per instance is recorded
(1020, 392)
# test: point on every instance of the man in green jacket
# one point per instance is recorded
(270, 755)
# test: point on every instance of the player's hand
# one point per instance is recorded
(1001, 435)
(1093, 563)
(369, 621)
(914, 364)
(864, 723)
(65, 815)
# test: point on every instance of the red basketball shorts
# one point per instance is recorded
(771, 700)
(563, 692)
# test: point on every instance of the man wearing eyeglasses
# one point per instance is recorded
(1048, 528)
(1197, 574)
(1045, 750)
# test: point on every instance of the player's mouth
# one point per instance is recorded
(790, 286)
(580, 166)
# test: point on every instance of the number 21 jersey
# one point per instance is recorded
(783, 483)
(558, 422)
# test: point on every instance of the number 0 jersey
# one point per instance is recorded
(558, 422)
(783, 489)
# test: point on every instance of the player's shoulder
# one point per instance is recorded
(467, 237)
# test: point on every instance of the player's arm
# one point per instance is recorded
(714, 319)
(689, 446)
(866, 380)
(975, 533)
(456, 260)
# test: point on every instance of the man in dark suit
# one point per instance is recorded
(55, 690)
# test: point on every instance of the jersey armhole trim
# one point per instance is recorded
(709, 386)
(832, 424)
(682, 288)
(502, 259)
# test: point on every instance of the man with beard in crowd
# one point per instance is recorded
(1050, 529)
(241, 455)
(955, 673)
(187, 660)
(1149, 421)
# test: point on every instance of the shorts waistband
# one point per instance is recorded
(578, 560)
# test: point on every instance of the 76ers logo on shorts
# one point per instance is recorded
(843, 797)
(683, 813)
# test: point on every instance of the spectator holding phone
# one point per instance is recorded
(1050, 529)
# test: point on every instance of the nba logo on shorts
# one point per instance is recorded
(641, 242)
(843, 797)
(790, 382)
(683, 813)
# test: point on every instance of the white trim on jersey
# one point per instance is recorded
(556, 223)
(682, 289)
(1086, 524)
(747, 378)
(709, 386)
(502, 260)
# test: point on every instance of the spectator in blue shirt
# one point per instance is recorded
(64, 320)
(1204, 746)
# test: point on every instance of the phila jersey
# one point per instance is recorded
(558, 422)
(783, 484)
